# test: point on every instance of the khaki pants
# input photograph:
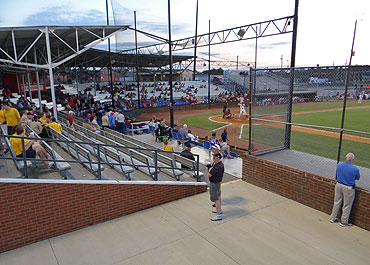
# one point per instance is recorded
(346, 195)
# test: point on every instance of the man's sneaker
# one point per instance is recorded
(217, 218)
(345, 224)
(214, 211)
(335, 220)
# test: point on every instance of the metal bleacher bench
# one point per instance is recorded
(62, 167)
(190, 164)
(166, 158)
(164, 162)
(108, 155)
(77, 151)
(144, 158)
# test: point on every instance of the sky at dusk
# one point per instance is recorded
(325, 28)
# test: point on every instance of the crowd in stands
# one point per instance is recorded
(17, 124)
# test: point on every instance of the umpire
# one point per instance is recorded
(216, 173)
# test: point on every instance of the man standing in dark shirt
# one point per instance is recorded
(216, 173)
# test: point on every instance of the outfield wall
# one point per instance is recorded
(217, 106)
(306, 188)
(34, 210)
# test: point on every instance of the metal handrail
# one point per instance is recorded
(98, 162)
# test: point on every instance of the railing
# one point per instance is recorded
(99, 151)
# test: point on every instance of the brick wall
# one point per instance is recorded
(31, 211)
(306, 188)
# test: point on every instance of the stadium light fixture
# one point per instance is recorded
(241, 33)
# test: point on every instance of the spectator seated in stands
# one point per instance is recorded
(191, 137)
(213, 140)
(87, 125)
(187, 153)
(225, 147)
(166, 146)
(55, 125)
(43, 118)
(163, 130)
(33, 147)
(36, 125)
(26, 117)
(184, 132)
(94, 122)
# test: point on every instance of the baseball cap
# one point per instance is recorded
(213, 133)
(217, 155)
(188, 145)
(70, 112)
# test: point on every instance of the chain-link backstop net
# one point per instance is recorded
(316, 114)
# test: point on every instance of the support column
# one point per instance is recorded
(38, 82)
(23, 87)
(51, 75)
(170, 55)
(29, 86)
(195, 44)
(209, 61)
(137, 66)
(288, 127)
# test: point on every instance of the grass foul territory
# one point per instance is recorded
(202, 121)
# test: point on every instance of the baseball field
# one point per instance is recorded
(318, 141)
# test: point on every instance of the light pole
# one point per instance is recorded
(281, 61)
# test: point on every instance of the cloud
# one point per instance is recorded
(64, 15)
(147, 22)
(273, 45)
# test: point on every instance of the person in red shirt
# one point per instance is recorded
(70, 118)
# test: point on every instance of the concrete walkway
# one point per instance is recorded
(259, 227)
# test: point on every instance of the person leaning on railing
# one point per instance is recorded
(33, 147)
(55, 125)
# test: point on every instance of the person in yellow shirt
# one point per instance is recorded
(167, 147)
(11, 116)
(2, 119)
(32, 147)
(56, 126)
(2, 114)
(43, 118)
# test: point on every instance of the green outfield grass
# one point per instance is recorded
(310, 143)
(202, 121)
(355, 119)
(306, 107)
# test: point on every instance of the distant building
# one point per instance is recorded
(186, 75)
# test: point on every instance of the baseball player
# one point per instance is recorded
(242, 109)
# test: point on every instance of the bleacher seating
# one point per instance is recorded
(77, 151)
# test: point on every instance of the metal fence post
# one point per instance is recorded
(250, 109)
(155, 165)
(99, 166)
(198, 180)
(25, 159)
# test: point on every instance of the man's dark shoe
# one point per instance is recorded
(345, 224)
